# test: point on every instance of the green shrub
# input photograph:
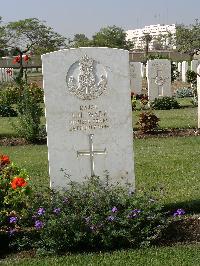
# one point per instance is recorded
(7, 111)
(165, 103)
(29, 112)
(184, 92)
(191, 77)
(91, 215)
(148, 121)
(11, 93)
(133, 103)
(14, 191)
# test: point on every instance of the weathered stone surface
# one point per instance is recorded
(159, 78)
(88, 114)
(136, 79)
(184, 70)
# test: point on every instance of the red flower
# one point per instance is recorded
(4, 159)
(18, 182)
(9, 71)
(16, 59)
(26, 58)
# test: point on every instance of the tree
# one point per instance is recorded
(2, 39)
(147, 38)
(31, 35)
(111, 36)
(188, 38)
(158, 42)
(80, 40)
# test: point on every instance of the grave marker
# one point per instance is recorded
(136, 79)
(159, 78)
(184, 70)
(88, 114)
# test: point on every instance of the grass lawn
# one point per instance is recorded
(6, 129)
(169, 165)
(186, 117)
(177, 118)
(180, 255)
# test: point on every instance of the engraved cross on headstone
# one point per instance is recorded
(159, 81)
(91, 153)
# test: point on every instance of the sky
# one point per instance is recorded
(69, 17)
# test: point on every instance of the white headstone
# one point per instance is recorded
(136, 79)
(143, 70)
(88, 114)
(198, 94)
(194, 64)
(159, 78)
(179, 67)
(184, 70)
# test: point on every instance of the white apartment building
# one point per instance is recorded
(157, 32)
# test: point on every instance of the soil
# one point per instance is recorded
(5, 141)
(185, 230)
(163, 133)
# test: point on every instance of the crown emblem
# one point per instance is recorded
(91, 80)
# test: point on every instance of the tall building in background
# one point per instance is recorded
(163, 37)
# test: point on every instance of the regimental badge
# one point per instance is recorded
(86, 79)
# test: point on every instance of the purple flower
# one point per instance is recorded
(114, 209)
(134, 213)
(111, 218)
(179, 212)
(65, 200)
(41, 211)
(56, 210)
(11, 232)
(13, 220)
(38, 224)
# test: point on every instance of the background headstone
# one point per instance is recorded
(88, 114)
(159, 78)
(136, 79)
(179, 67)
(194, 65)
(143, 70)
(184, 70)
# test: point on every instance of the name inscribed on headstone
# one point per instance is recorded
(88, 117)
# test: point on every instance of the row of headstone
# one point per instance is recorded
(158, 73)
(183, 67)
(6, 74)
